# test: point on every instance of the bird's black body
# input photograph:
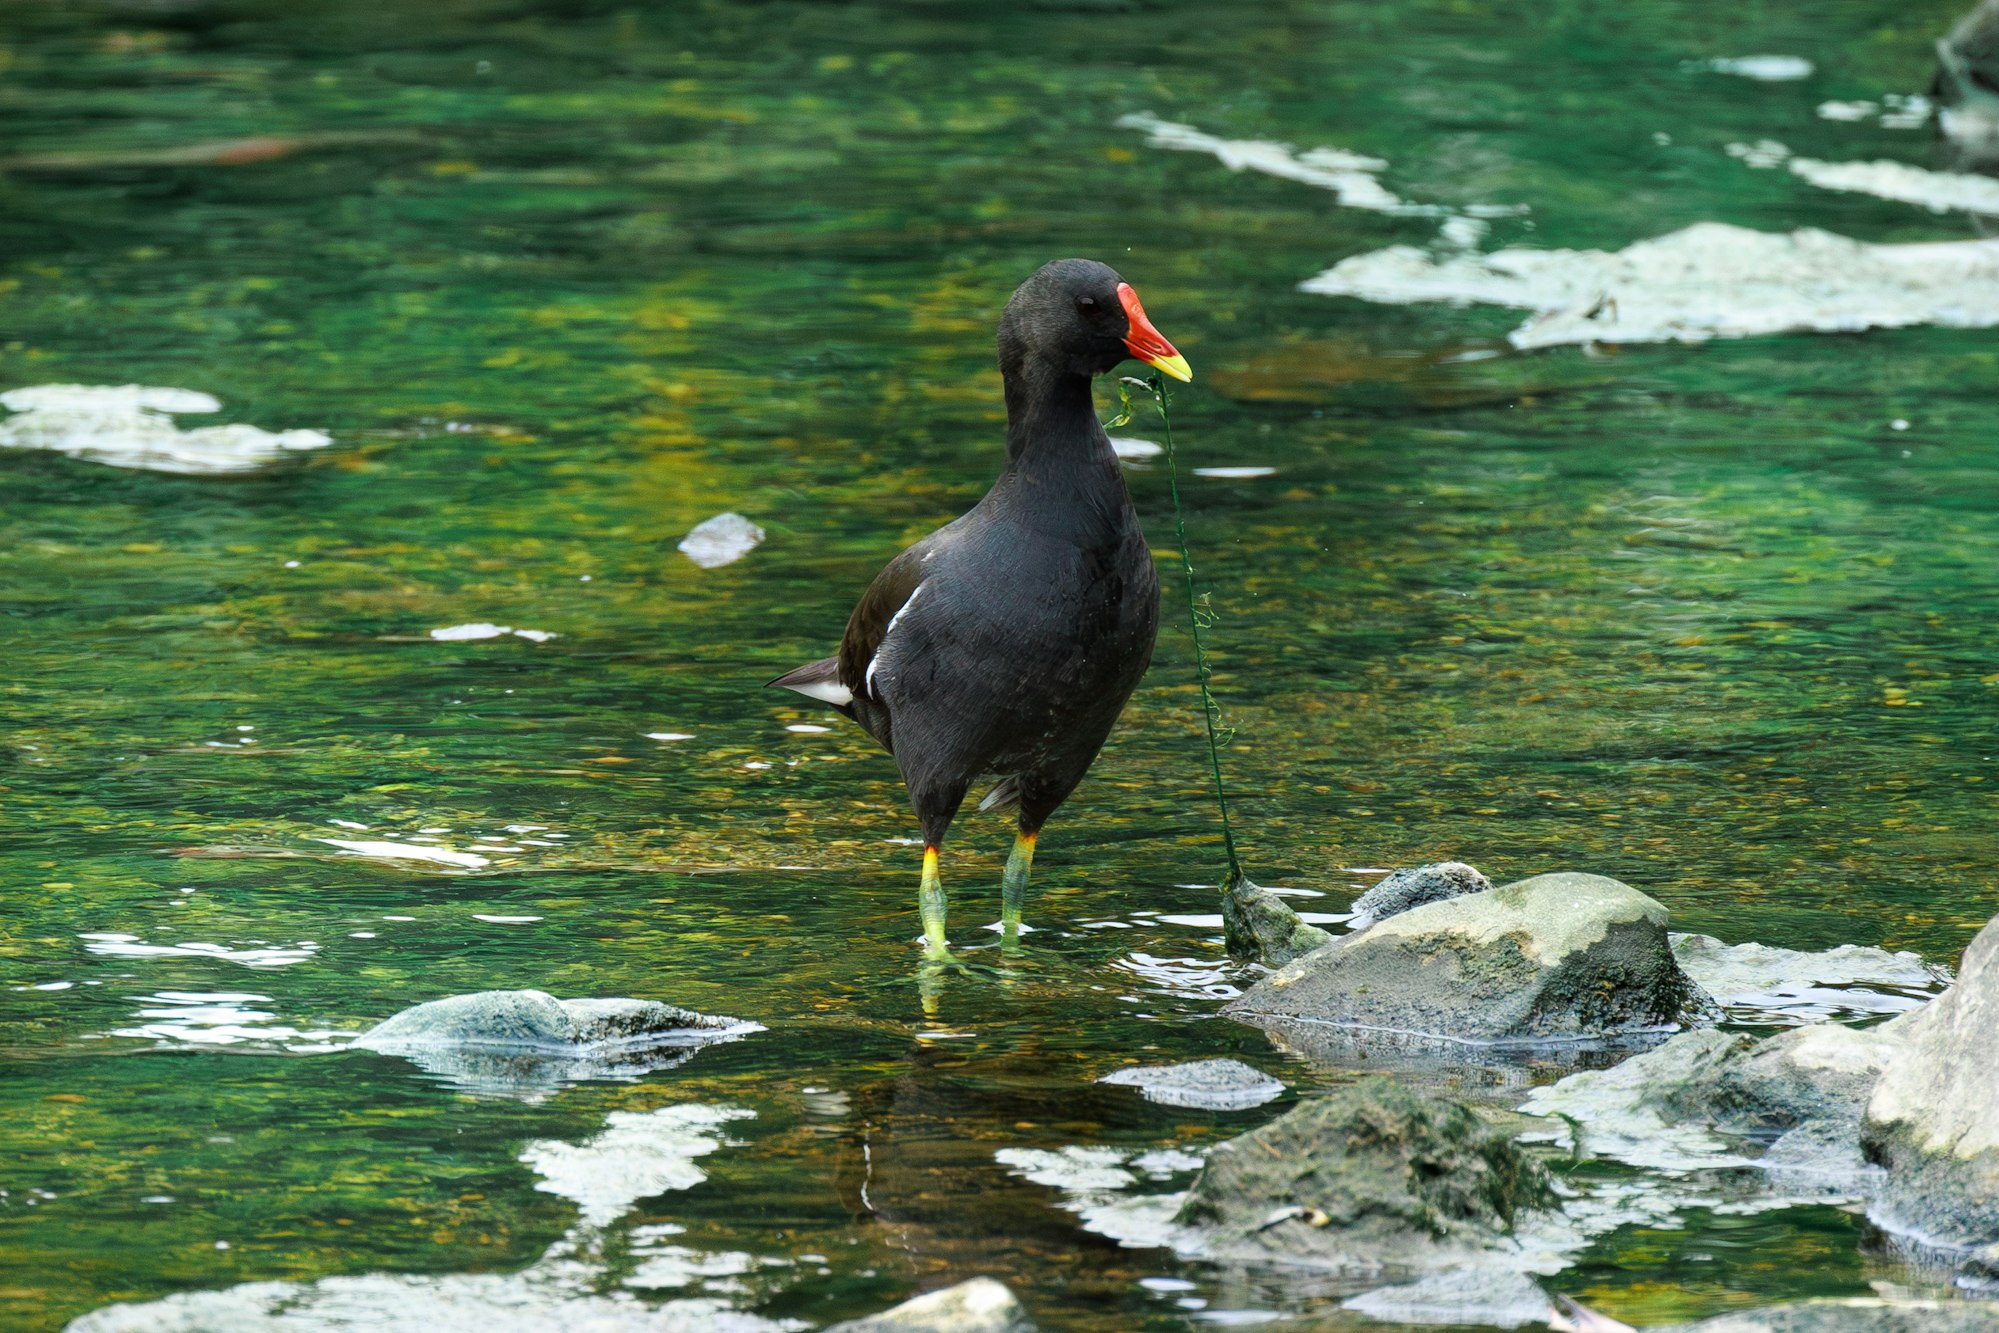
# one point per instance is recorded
(1005, 644)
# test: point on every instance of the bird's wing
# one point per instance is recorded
(873, 624)
(874, 618)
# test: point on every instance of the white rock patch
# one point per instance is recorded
(721, 540)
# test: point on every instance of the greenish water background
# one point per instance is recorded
(585, 274)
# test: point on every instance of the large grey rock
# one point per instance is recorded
(1933, 1118)
(1706, 1099)
(527, 1043)
(980, 1305)
(1414, 887)
(1209, 1085)
(1860, 1315)
(1259, 926)
(1372, 1177)
(1553, 958)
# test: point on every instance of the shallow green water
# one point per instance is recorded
(571, 277)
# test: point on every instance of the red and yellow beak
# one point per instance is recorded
(1147, 343)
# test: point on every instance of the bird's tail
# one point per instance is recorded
(1004, 795)
(818, 680)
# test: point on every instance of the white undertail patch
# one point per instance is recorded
(826, 691)
(868, 681)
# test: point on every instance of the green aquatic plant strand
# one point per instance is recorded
(1210, 714)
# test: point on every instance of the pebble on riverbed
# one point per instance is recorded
(1206, 1085)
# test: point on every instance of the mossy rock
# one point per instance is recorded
(1554, 958)
(1372, 1177)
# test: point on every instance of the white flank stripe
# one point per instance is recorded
(868, 681)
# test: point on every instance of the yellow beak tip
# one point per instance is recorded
(1176, 366)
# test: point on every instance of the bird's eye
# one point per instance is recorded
(1085, 302)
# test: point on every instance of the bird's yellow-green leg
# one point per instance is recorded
(931, 899)
(1013, 887)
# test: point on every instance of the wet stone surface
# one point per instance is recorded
(1211, 1085)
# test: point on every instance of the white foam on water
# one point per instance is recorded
(1710, 280)
(1135, 451)
(1938, 191)
(1350, 176)
(721, 540)
(486, 629)
(1764, 69)
(132, 426)
(408, 851)
(222, 1018)
(118, 945)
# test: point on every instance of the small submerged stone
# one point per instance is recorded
(980, 1305)
(721, 540)
(1209, 1085)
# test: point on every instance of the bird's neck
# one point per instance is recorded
(1062, 476)
(1051, 423)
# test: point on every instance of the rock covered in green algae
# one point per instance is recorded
(1933, 1118)
(1863, 1315)
(981, 1305)
(1373, 1177)
(1554, 958)
(1259, 926)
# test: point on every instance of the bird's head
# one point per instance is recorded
(1084, 319)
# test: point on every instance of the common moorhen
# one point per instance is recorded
(1005, 643)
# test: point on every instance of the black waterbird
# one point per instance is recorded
(1005, 643)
